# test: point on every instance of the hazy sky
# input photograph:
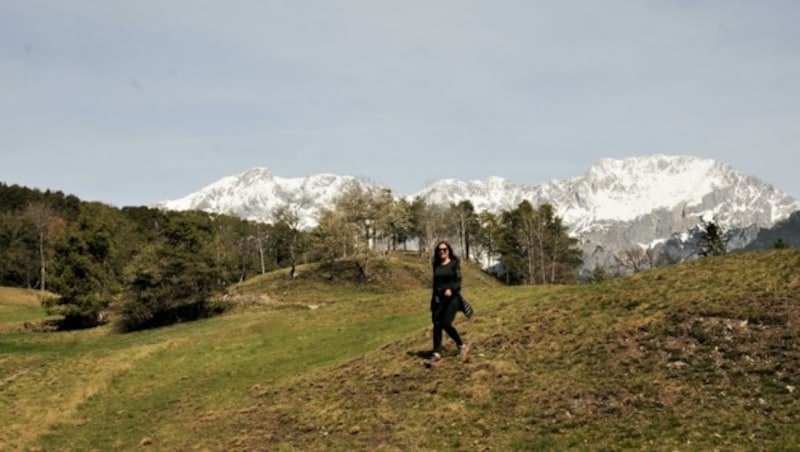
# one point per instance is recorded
(134, 102)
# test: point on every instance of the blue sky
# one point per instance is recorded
(132, 103)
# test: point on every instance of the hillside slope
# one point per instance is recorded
(704, 355)
(697, 356)
(172, 388)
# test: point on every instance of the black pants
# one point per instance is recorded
(442, 315)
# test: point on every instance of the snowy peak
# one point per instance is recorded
(256, 194)
(626, 189)
(492, 194)
(623, 190)
(611, 189)
(661, 179)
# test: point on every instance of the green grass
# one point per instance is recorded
(699, 356)
(213, 368)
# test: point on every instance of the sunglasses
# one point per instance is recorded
(442, 250)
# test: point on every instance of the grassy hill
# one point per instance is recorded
(698, 356)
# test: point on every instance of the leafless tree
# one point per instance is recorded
(633, 259)
(47, 225)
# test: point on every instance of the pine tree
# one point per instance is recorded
(87, 266)
(172, 279)
(711, 241)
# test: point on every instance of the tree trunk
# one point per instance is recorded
(43, 271)
(261, 256)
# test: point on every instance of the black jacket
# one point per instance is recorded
(446, 277)
(449, 277)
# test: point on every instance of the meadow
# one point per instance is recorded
(698, 356)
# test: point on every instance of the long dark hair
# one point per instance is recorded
(437, 259)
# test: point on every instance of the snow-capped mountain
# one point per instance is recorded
(614, 191)
(617, 204)
(256, 194)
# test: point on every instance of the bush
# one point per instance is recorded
(136, 316)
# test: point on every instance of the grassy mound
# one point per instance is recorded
(318, 283)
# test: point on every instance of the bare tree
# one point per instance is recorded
(260, 235)
(651, 257)
(466, 223)
(633, 259)
(47, 225)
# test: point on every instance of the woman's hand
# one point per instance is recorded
(448, 293)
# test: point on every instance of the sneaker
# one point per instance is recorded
(435, 360)
(463, 351)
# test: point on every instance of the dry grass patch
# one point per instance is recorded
(47, 394)
(21, 309)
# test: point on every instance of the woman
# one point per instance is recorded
(445, 300)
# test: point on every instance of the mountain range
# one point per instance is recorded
(647, 202)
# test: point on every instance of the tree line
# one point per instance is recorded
(155, 267)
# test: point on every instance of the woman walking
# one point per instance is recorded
(445, 300)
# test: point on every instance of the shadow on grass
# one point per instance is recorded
(425, 354)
